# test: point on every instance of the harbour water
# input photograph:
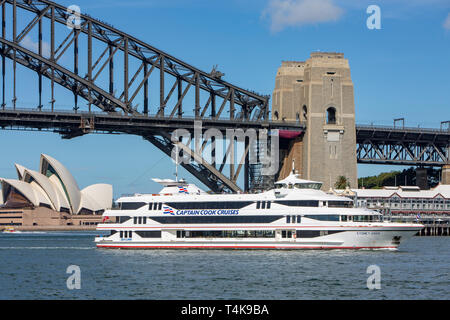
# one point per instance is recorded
(33, 266)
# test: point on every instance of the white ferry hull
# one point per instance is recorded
(344, 240)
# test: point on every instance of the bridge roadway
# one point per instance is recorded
(375, 144)
(70, 124)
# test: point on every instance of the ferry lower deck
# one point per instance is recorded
(374, 236)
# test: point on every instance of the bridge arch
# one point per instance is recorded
(121, 72)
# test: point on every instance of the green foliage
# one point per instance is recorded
(341, 182)
(397, 178)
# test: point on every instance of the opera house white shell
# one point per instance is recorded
(54, 187)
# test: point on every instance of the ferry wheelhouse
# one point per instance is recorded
(295, 214)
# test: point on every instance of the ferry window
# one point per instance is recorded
(144, 220)
(123, 218)
(268, 204)
(299, 203)
(149, 234)
(229, 234)
(131, 205)
(155, 206)
(159, 206)
(258, 204)
(121, 234)
(150, 206)
(140, 220)
(216, 219)
(181, 234)
(289, 234)
(134, 220)
(210, 205)
(324, 217)
(299, 219)
(283, 233)
(340, 204)
(288, 219)
(293, 219)
(315, 186)
(263, 204)
(343, 218)
(307, 233)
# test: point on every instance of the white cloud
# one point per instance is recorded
(446, 23)
(287, 13)
(29, 44)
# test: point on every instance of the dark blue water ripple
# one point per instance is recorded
(33, 266)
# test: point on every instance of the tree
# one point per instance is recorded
(397, 178)
(341, 182)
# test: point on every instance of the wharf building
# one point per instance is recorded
(407, 204)
(51, 197)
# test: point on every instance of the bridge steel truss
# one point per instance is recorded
(111, 70)
(402, 146)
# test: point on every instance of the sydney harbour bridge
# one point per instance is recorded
(118, 84)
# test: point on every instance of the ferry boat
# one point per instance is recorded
(295, 214)
(10, 230)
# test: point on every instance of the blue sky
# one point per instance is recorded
(401, 70)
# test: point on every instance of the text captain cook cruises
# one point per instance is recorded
(296, 214)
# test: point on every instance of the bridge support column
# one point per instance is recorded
(422, 178)
(445, 174)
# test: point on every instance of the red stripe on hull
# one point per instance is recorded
(238, 247)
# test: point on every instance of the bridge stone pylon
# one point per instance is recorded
(318, 91)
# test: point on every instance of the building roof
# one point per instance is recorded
(55, 187)
(405, 192)
(50, 166)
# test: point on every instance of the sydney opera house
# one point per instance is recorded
(51, 197)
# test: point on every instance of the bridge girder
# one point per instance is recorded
(402, 146)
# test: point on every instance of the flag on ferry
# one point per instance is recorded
(105, 218)
(418, 217)
(182, 189)
(168, 210)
